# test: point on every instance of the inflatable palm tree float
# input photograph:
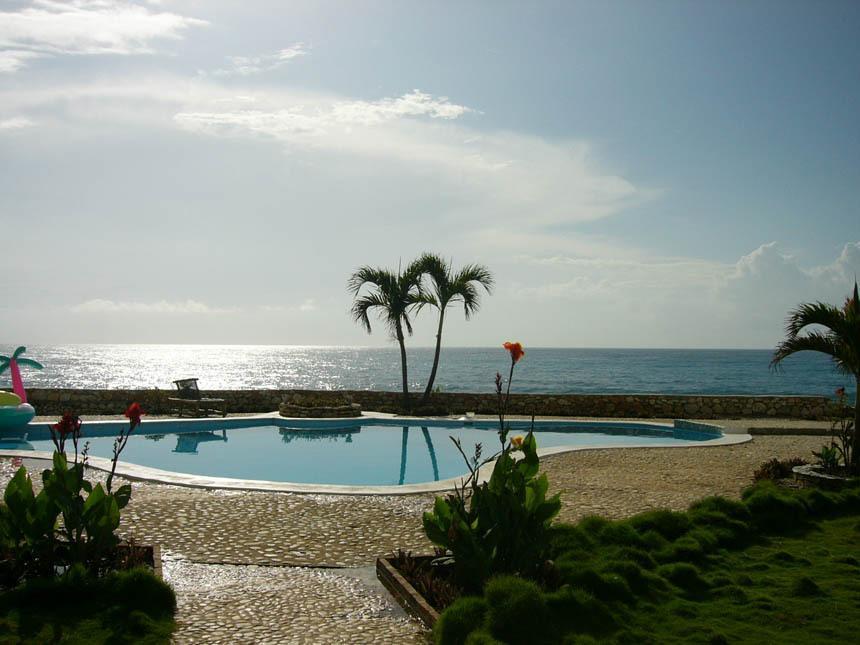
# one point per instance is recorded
(13, 363)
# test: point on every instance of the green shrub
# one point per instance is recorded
(819, 503)
(775, 510)
(501, 525)
(669, 524)
(684, 576)
(654, 541)
(566, 538)
(463, 616)
(730, 507)
(684, 549)
(578, 611)
(639, 580)
(639, 556)
(593, 524)
(517, 611)
(151, 594)
(622, 534)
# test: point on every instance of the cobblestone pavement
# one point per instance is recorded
(618, 483)
(250, 604)
(223, 546)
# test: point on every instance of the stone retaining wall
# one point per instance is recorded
(55, 401)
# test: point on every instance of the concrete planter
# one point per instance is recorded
(812, 475)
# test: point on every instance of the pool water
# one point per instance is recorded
(364, 453)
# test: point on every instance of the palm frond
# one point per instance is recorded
(814, 313)
(812, 342)
(369, 275)
(362, 306)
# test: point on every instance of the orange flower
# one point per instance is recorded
(516, 350)
(517, 442)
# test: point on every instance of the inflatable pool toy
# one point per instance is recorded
(14, 413)
(14, 409)
(16, 443)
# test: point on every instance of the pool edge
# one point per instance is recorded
(136, 472)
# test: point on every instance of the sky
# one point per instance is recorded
(634, 173)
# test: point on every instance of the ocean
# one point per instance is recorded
(462, 369)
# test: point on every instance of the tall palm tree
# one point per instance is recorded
(448, 288)
(394, 296)
(840, 340)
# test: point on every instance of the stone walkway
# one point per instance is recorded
(226, 551)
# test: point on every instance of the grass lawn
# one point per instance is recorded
(781, 566)
(126, 607)
(788, 590)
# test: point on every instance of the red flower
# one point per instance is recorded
(69, 424)
(134, 412)
(516, 350)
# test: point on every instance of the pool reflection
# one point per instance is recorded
(187, 442)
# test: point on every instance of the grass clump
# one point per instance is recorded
(131, 606)
(805, 587)
(774, 509)
(459, 619)
(517, 610)
(768, 568)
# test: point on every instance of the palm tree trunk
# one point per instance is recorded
(17, 381)
(399, 330)
(429, 389)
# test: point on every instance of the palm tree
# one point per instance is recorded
(448, 288)
(394, 296)
(12, 363)
(840, 340)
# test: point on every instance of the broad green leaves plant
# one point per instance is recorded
(499, 525)
(33, 541)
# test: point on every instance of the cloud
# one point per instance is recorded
(16, 123)
(11, 60)
(307, 306)
(248, 66)
(681, 302)
(502, 189)
(318, 118)
(100, 306)
(414, 103)
(84, 27)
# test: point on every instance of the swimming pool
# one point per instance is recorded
(354, 452)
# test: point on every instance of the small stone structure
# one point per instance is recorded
(814, 475)
(311, 405)
(662, 406)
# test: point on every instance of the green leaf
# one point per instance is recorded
(123, 495)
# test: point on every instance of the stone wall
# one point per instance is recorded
(55, 401)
